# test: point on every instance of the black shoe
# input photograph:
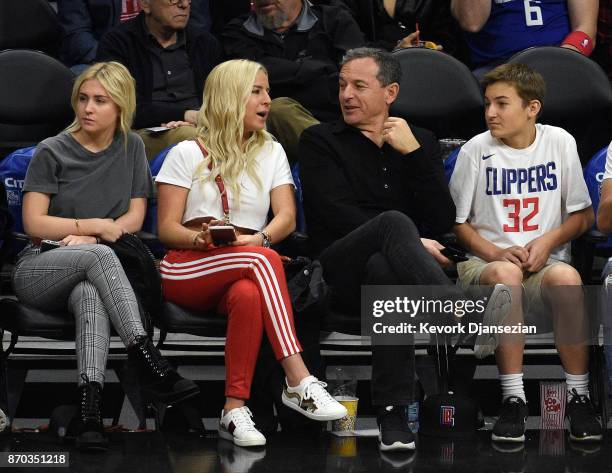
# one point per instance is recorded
(160, 383)
(585, 425)
(394, 431)
(90, 430)
(510, 427)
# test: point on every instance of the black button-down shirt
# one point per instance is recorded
(173, 79)
(347, 180)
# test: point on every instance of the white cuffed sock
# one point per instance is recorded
(512, 385)
(579, 382)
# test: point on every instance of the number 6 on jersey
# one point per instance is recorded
(533, 14)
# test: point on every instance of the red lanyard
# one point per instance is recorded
(220, 185)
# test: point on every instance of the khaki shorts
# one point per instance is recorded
(469, 274)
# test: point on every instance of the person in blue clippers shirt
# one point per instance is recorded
(497, 29)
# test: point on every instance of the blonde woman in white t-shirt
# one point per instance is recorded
(243, 280)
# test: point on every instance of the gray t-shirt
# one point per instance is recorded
(83, 184)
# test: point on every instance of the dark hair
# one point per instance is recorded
(528, 83)
(389, 69)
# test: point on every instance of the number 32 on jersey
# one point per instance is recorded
(520, 214)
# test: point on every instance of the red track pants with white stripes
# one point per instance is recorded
(246, 283)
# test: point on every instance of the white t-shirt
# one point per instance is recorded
(204, 199)
(512, 196)
(608, 171)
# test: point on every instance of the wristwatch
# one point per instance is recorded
(267, 241)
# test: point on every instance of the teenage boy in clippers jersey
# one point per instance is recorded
(521, 199)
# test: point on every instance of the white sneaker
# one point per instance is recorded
(312, 400)
(238, 426)
(496, 312)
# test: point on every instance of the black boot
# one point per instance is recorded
(90, 430)
(160, 381)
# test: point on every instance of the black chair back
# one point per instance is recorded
(440, 93)
(35, 96)
(29, 24)
(578, 95)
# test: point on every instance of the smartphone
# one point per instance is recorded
(222, 234)
(47, 245)
(454, 254)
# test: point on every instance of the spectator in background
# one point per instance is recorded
(85, 21)
(497, 29)
(391, 24)
(300, 45)
(169, 60)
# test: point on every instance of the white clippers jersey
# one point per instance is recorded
(512, 196)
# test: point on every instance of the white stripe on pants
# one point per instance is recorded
(265, 278)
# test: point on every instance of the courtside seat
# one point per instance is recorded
(335, 321)
(176, 319)
(29, 24)
(22, 320)
(35, 94)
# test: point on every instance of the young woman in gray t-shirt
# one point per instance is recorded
(87, 185)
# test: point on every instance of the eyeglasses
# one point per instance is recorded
(176, 2)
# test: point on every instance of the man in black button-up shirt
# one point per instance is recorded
(368, 163)
(169, 60)
(373, 186)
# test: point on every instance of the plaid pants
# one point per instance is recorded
(88, 281)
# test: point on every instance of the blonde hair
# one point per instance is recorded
(221, 124)
(121, 88)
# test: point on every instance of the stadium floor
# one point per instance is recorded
(544, 451)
